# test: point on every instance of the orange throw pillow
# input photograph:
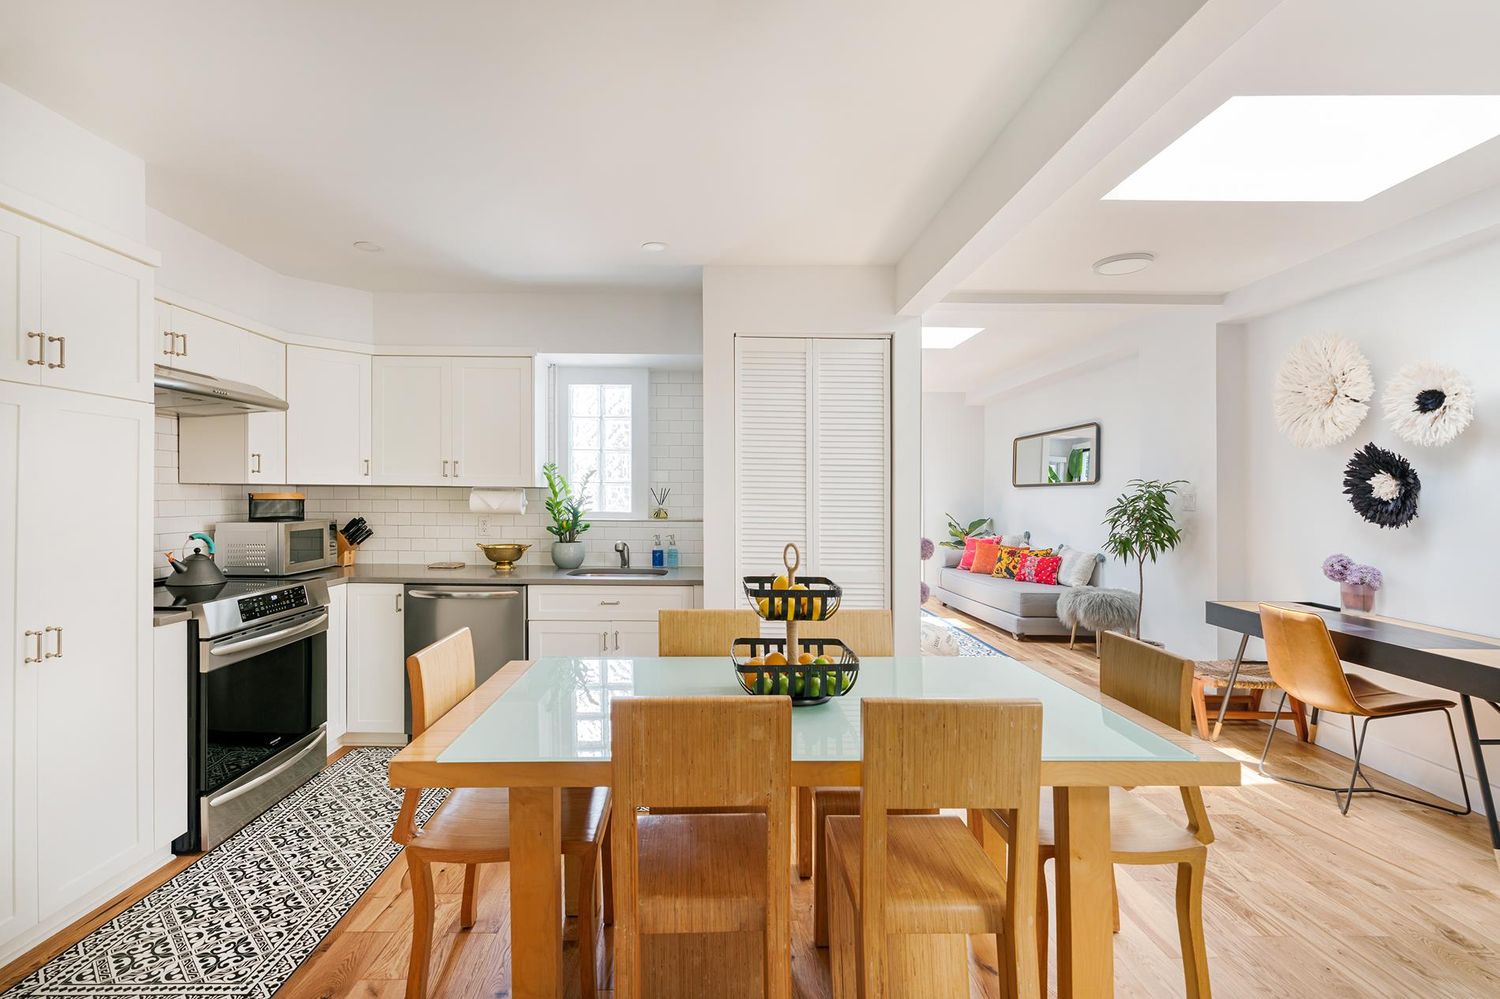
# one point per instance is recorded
(985, 554)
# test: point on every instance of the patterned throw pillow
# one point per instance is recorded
(985, 554)
(1009, 561)
(1039, 568)
(968, 557)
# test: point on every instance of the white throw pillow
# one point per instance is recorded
(1077, 566)
(1020, 539)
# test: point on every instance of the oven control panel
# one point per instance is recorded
(259, 605)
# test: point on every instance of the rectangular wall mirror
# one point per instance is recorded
(1065, 457)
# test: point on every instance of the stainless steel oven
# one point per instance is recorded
(275, 548)
(258, 702)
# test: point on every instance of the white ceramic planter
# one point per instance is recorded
(567, 554)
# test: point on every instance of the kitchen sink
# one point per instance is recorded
(614, 572)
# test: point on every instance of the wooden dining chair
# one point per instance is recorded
(1160, 685)
(906, 890)
(1305, 664)
(703, 632)
(702, 873)
(472, 825)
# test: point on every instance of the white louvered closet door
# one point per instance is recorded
(812, 466)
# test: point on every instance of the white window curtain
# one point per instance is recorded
(813, 459)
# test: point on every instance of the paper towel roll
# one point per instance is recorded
(497, 500)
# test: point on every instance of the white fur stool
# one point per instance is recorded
(1097, 610)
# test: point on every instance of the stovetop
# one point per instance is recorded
(240, 604)
(167, 598)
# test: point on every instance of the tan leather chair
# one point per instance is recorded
(1304, 663)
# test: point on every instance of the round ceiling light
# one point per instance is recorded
(654, 246)
(1123, 263)
(365, 246)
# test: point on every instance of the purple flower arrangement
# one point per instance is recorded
(1343, 569)
(1336, 567)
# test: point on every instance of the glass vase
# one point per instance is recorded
(1356, 596)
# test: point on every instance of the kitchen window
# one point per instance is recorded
(602, 431)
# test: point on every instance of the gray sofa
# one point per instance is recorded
(1012, 605)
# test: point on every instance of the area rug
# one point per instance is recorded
(239, 921)
(968, 644)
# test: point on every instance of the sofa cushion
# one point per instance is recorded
(985, 554)
(970, 543)
(1018, 598)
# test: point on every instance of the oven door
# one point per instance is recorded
(262, 712)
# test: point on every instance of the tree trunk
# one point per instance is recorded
(1141, 602)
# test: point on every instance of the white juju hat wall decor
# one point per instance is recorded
(1429, 404)
(1323, 391)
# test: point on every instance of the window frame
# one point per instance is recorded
(639, 380)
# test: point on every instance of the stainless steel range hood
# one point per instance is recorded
(188, 394)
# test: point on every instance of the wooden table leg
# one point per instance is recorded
(1085, 941)
(536, 892)
(805, 832)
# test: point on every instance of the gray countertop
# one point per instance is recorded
(524, 575)
(165, 617)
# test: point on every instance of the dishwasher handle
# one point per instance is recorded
(462, 594)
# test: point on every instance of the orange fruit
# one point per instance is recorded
(757, 661)
(805, 658)
(776, 659)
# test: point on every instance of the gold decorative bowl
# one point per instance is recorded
(504, 556)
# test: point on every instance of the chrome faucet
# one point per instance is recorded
(624, 551)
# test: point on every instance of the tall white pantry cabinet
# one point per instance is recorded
(80, 801)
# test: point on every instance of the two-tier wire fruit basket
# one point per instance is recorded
(808, 670)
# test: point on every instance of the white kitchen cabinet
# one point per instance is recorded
(412, 421)
(78, 708)
(328, 416)
(567, 638)
(465, 421)
(338, 663)
(241, 448)
(376, 657)
(169, 727)
(634, 638)
(20, 299)
(96, 314)
(600, 620)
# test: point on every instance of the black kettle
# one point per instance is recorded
(197, 570)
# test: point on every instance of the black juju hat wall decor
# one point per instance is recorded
(1382, 486)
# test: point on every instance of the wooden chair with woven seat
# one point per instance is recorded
(698, 872)
(906, 890)
(1250, 680)
(1306, 666)
(1158, 684)
(472, 825)
(703, 632)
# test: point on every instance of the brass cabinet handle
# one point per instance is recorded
(256, 456)
(184, 344)
(57, 653)
(603, 641)
(171, 348)
(445, 468)
(41, 354)
(38, 636)
(367, 466)
(62, 351)
(455, 468)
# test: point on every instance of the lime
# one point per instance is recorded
(767, 684)
(815, 685)
(822, 661)
(847, 682)
(784, 683)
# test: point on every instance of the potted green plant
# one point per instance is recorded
(1142, 526)
(565, 506)
(958, 533)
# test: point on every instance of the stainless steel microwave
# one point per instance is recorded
(274, 548)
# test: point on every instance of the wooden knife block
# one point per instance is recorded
(346, 551)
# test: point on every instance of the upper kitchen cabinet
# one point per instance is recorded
(248, 447)
(73, 314)
(328, 416)
(455, 421)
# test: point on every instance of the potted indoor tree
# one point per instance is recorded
(1142, 526)
(565, 506)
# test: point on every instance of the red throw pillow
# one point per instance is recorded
(985, 554)
(1040, 569)
(968, 557)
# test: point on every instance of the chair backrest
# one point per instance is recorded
(921, 754)
(441, 675)
(1159, 684)
(702, 632)
(867, 632)
(701, 752)
(1303, 661)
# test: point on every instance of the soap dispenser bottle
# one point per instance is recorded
(672, 556)
(658, 557)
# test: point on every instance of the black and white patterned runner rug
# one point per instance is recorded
(239, 921)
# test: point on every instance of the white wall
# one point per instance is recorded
(47, 156)
(1436, 568)
(953, 456)
(810, 301)
(578, 321)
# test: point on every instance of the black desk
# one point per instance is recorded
(1466, 664)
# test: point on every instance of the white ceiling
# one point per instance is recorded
(488, 144)
(1211, 249)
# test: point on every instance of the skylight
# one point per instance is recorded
(947, 337)
(1312, 148)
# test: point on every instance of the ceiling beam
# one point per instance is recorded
(1130, 59)
(961, 301)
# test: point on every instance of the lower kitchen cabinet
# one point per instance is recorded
(338, 665)
(376, 657)
(597, 620)
(601, 637)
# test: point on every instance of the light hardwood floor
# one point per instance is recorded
(1391, 901)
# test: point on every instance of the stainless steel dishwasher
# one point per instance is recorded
(496, 615)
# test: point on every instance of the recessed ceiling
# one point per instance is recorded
(486, 144)
(1336, 47)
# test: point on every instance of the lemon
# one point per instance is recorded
(775, 659)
